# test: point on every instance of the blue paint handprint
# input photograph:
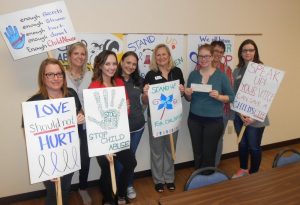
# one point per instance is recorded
(16, 40)
(166, 103)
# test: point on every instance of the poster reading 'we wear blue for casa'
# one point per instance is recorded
(36, 30)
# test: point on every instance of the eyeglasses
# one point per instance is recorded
(207, 57)
(52, 75)
(248, 50)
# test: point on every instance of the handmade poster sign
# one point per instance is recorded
(143, 45)
(95, 44)
(106, 120)
(257, 90)
(165, 108)
(37, 30)
(51, 138)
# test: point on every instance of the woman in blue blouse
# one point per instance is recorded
(205, 119)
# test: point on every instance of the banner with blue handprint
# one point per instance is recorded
(106, 120)
(36, 30)
(165, 108)
(51, 138)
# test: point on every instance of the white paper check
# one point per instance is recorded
(201, 87)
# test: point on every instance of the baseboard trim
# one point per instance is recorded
(145, 173)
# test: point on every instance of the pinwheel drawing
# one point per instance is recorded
(166, 103)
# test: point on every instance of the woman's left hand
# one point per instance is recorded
(80, 118)
(247, 120)
(214, 94)
(181, 88)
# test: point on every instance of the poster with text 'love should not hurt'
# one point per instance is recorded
(51, 138)
(36, 30)
(106, 120)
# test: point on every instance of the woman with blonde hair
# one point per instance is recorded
(162, 69)
(79, 77)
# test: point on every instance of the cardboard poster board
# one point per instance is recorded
(106, 120)
(165, 108)
(36, 30)
(51, 138)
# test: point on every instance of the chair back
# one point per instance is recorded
(205, 176)
(285, 157)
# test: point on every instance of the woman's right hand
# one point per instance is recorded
(188, 91)
(146, 89)
(110, 157)
(247, 120)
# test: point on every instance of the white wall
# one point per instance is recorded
(276, 20)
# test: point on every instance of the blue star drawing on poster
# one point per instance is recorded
(166, 103)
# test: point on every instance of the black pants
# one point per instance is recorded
(128, 161)
(85, 159)
(65, 190)
(205, 133)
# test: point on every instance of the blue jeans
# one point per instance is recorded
(250, 144)
(135, 138)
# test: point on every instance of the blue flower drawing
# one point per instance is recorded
(166, 103)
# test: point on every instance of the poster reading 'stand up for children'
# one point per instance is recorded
(37, 30)
(51, 138)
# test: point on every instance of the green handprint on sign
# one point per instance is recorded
(110, 114)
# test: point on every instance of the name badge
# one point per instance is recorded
(158, 77)
(205, 88)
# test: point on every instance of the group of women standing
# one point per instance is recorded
(205, 121)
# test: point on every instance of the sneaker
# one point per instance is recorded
(85, 197)
(131, 193)
(121, 200)
(241, 173)
(171, 186)
(159, 187)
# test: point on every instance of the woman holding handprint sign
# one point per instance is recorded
(105, 67)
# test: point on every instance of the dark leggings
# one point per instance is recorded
(205, 133)
(250, 144)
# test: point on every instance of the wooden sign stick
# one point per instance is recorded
(172, 146)
(240, 136)
(50, 55)
(112, 174)
(58, 191)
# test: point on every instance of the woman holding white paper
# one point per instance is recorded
(162, 69)
(105, 67)
(79, 77)
(251, 140)
(52, 85)
(207, 89)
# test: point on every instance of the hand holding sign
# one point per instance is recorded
(16, 40)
